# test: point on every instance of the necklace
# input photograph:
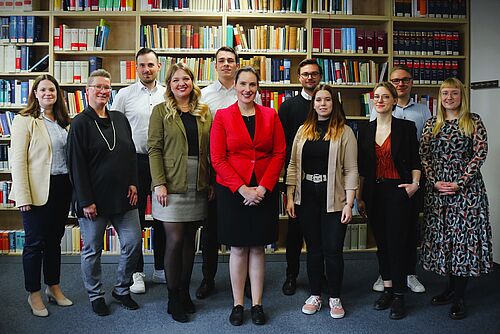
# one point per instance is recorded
(114, 135)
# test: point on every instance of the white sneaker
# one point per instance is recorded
(414, 284)
(159, 277)
(379, 284)
(336, 309)
(312, 305)
(138, 286)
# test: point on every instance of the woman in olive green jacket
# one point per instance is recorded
(178, 146)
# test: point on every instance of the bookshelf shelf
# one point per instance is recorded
(358, 118)
(98, 53)
(16, 107)
(358, 19)
(93, 15)
(351, 55)
(27, 44)
(183, 15)
(265, 16)
(22, 74)
(272, 53)
(8, 208)
(440, 21)
(5, 171)
(429, 57)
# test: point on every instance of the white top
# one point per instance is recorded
(418, 113)
(219, 97)
(137, 103)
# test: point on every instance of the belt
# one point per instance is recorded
(382, 180)
(316, 178)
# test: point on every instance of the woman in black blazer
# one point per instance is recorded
(389, 170)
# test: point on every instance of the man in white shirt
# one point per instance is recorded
(418, 113)
(218, 95)
(136, 102)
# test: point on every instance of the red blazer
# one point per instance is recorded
(235, 156)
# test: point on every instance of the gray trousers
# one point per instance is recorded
(128, 227)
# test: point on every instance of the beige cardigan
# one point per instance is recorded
(342, 169)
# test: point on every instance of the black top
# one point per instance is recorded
(315, 153)
(101, 176)
(191, 128)
(250, 123)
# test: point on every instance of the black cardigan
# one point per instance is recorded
(98, 175)
(404, 151)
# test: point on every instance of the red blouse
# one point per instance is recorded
(385, 164)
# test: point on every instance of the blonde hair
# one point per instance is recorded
(465, 122)
(337, 119)
(196, 108)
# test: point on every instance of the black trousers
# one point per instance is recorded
(294, 240)
(143, 190)
(209, 243)
(324, 235)
(390, 218)
(44, 228)
(414, 228)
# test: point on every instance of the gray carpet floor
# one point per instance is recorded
(482, 299)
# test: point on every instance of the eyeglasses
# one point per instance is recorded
(376, 97)
(305, 75)
(101, 88)
(402, 80)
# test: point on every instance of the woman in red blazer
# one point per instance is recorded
(248, 151)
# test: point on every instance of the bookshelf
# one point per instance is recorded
(125, 39)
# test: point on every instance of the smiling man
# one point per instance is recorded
(406, 108)
(136, 102)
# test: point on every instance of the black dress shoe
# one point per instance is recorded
(258, 315)
(126, 301)
(186, 301)
(236, 317)
(289, 286)
(248, 289)
(175, 307)
(384, 301)
(206, 287)
(398, 310)
(99, 307)
(444, 298)
(457, 310)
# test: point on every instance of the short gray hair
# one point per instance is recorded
(98, 73)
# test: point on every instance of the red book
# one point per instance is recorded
(123, 5)
(381, 41)
(422, 7)
(196, 40)
(370, 41)
(360, 41)
(149, 207)
(327, 40)
(337, 40)
(316, 32)
(281, 98)
(128, 76)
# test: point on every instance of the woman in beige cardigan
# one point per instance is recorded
(322, 178)
(41, 188)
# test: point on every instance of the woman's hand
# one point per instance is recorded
(24, 208)
(250, 195)
(446, 188)
(161, 194)
(132, 195)
(261, 191)
(90, 212)
(290, 207)
(361, 207)
(411, 188)
(346, 214)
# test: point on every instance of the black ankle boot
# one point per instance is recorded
(398, 309)
(186, 300)
(175, 307)
(457, 310)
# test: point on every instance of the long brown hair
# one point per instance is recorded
(59, 109)
(337, 118)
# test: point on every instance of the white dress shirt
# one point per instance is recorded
(219, 97)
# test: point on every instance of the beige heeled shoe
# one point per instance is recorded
(61, 302)
(38, 312)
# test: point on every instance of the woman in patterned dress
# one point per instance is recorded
(457, 237)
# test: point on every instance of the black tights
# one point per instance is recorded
(458, 284)
(179, 253)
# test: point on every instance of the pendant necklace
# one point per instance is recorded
(114, 135)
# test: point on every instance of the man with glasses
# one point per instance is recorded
(406, 108)
(136, 102)
(218, 95)
(103, 170)
(293, 113)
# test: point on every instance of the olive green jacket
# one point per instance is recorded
(168, 151)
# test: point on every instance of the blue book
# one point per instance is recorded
(141, 36)
(352, 38)
(19, 241)
(287, 63)
(95, 63)
(12, 234)
(21, 29)
(229, 35)
(33, 29)
(4, 124)
(25, 90)
(13, 29)
(4, 34)
(344, 40)
(300, 4)
(326, 73)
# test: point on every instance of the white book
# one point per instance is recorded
(66, 36)
(2, 58)
(77, 71)
(57, 70)
(64, 69)
(68, 234)
(57, 36)
(17, 93)
(362, 236)
(74, 39)
(70, 70)
(90, 39)
(82, 39)
(123, 71)
(85, 70)
(268, 69)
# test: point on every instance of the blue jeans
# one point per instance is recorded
(128, 227)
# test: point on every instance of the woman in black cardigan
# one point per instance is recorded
(389, 170)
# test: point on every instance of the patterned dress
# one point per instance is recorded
(457, 237)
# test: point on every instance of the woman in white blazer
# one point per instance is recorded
(41, 188)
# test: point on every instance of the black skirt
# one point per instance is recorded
(240, 225)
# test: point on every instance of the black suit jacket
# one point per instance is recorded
(404, 151)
